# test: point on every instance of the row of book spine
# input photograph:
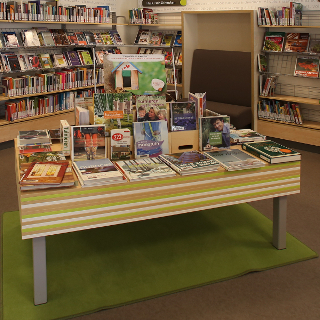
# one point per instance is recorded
(30, 107)
(50, 11)
(47, 82)
(290, 15)
(174, 74)
(142, 16)
(287, 112)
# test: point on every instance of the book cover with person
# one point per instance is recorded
(271, 151)
(183, 116)
(88, 142)
(214, 132)
(150, 138)
(151, 108)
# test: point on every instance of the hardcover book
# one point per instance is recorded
(120, 144)
(214, 132)
(88, 142)
(151, 138)
(97, 172)
(190, 162)
(73, 58)
(41, 157)
(307, 67)
(235, 159)
(183, 116)
(151, 108)
(273, 41)
(271, 151)
(45, 60)
(44, 173)
(296, 42)
(147, 168)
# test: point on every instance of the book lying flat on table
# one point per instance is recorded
(97, 172)
(271, 151)
(235, 159)
(147, 168)
(44, 173)
(33, 137)
(190, 162)
(245, 135)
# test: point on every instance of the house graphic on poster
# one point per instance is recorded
(127, 76)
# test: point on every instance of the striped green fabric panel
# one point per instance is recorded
(172, 208)
(258, 184)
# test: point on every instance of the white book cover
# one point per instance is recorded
(120, 144)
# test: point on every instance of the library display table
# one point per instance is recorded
(55, 211)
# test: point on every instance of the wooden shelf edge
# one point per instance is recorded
(5, 122)
(47, 92)
(172, 84)
(265, 26)
(293, 99)
(156, 25)
(66, 22)
(306, 124)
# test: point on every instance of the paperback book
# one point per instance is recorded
(88, 142)
(307, 67)
(10, 39)
(147, 168)
(116, 37)
(296, 42)
(271, 152)
(273, 41)
(120, 144)
(151, 108)
(190, 162)
(30, 38)
(235, 159)
(262, 63)
(33, 137)
(214, 132)
(151, 138)
(245, 135)
(178, 39)
(314, 46)
(183, 116)
(97, 172)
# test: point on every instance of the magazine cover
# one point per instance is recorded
(273, 41)
(262, 63)
(296, 42)
(151, 138)
(151, 108)
(120, 144)
(88, 142)
(114, 111)
(137, 73)
(214, 132)
(183, 116)
(307, 67)
(314, 46)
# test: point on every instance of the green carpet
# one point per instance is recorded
(113, 266)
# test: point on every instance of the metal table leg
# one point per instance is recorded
(279, 222)
(39, 270)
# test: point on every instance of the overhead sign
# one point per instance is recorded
(158, 3)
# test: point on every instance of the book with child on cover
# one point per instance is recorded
(151, 108)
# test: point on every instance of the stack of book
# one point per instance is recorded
(235, 159)
(34, 141)
(142, 169)
(97, 172)
(191, 162)
(245, 135)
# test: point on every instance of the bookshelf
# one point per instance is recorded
(294, 89)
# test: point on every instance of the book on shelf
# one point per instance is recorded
(45, 60)
(151, 108)
(190, 162)
(271, 152)
(46, 37)
(296, 13)
(235, 159)
(183, 116)
(98, 38)
(245, 135)
(85, 57)
(106, 37)
(81, 38)
(89, 37)
(146, 168)
(307, 67)
(73, 58)
(262, 63)
(214, 132)
(150, 138)
(273, 41)
(97, 172)
(88, 142)
(44, 173)
(33, 60)
(314, 46)
(33, 137)
(59, 60)
(10, 39)
(33, 148)
(178, 39)
(156, 38)
(167, 39)
(65, 137)
(100, 56)
(116, 37)
(30, 38)
(73, 40)
(143, 37)
(296, 42)
(13, 62)
(200, 100)
(120, 144)
(267, 85)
